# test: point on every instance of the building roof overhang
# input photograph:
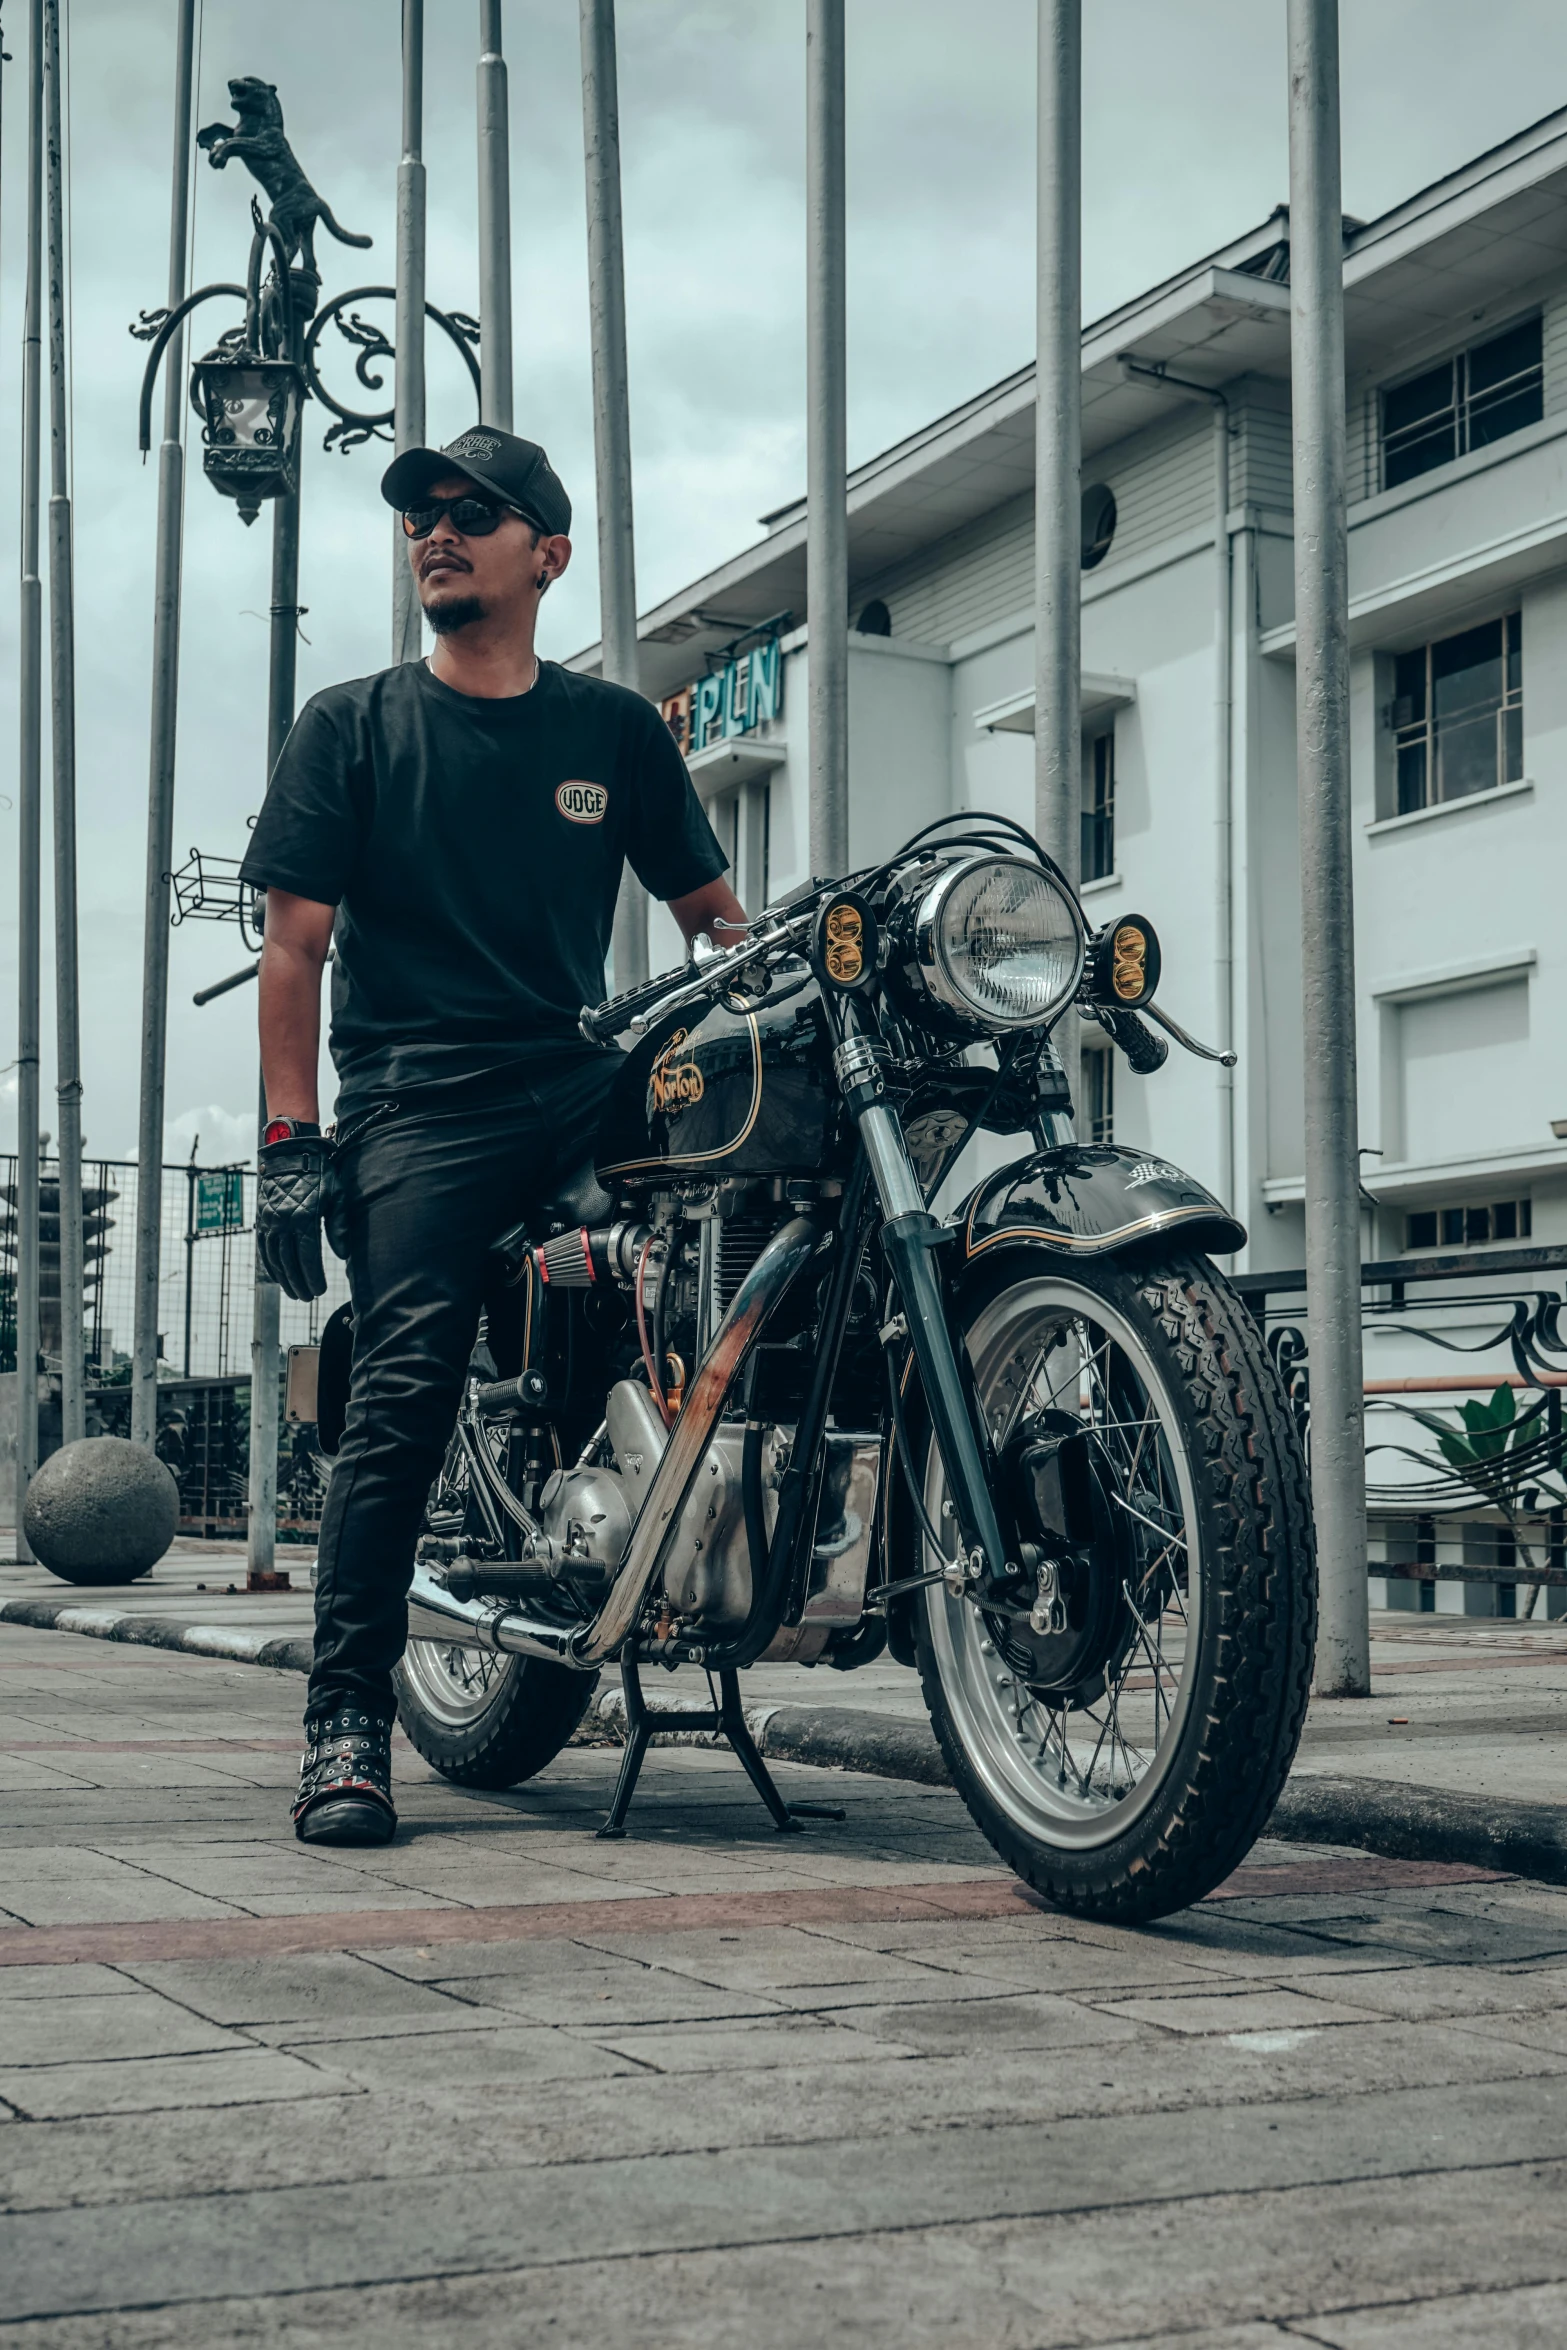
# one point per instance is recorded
(1451, 252)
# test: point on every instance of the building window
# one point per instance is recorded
(1098, 846)
(1457, 714)
(1466, 403)
(1099, 519)
(1502, 1219)
(1098, 1082)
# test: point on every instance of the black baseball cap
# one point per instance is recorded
(513, 470)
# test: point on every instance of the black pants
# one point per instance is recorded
(418, 1201)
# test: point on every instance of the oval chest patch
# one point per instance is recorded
(582, 803)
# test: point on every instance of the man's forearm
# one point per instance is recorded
(290, 1029)
(714, 908)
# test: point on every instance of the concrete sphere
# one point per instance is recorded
(101, 1510)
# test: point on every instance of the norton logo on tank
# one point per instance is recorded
(582, 803)
(675, 1085)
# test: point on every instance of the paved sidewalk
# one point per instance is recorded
(1460, 1753)
(502, 2084)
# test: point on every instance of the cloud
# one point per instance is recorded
(220, 1136)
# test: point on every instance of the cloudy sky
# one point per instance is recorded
(1184, 145)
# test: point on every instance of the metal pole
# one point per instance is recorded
(408, 426)
(495, 351)
(160, 781)
(1058, 454)
(190, 1249)
(611, 416)
(1223, 694)
(30, 810)
(826, 438)
(1223, 697)
(261, 1546)
(62, 717)
(1338, 1464)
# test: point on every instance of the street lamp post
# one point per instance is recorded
(826, 444)
(407, 639)
(160, 789)
(494, 220)
(1332, 1161)
(611, 417)
(62, 727)
(30, 810)
(1058, 455)
(249, 391)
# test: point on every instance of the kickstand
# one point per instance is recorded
(644, 1723)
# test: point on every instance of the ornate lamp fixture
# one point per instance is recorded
(250, 410)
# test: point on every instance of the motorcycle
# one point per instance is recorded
(752, 1400)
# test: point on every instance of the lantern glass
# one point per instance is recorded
(250, 408)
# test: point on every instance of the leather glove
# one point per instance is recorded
(289, 1205)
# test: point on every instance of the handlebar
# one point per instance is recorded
(1144, 1051)
(604, 1024)
(641, 1007)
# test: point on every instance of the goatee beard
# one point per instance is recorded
(452, 613)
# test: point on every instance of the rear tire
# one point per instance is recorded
(484, 1720)
(1213, 1483)
(479, 1718)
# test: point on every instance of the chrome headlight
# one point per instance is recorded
(997, 943)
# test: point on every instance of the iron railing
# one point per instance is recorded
(1443, 1330)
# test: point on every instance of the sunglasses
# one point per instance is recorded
(473, 518)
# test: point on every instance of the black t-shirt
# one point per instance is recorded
(473, 850)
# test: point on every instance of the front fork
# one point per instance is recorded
(909, 1234)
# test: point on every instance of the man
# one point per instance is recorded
(457, 828)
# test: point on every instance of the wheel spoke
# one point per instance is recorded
(1062, 1760)
(1163, 1532)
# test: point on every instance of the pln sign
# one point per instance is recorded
(746, 693)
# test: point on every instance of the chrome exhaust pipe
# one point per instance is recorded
(786, 1254)
(433, 1614)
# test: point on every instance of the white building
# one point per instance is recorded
(1456, 313)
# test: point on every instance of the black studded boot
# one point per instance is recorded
(345, 1780)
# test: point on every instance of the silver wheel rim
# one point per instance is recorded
(1079, 1779)
(454, 1685)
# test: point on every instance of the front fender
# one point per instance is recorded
(1090, 1200)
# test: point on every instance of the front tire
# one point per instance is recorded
(1133, 1798)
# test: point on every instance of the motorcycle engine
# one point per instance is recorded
(587, 1512)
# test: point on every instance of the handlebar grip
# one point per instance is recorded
(602, 1023)
(1143, 1049)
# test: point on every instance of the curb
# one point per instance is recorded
(1424, 1823)
(1400, 1822)
(101, 1623)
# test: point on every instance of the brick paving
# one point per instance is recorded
(1474, 1708)
(502, 2084)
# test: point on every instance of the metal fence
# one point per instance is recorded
(204, 1436)
(207, 1262)
(1441, 1331)
(207, 1275)
(1468, 1517)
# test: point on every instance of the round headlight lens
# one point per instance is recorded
(1004, 943)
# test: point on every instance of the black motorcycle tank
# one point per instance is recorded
(1089, 1200)
(732, 1094)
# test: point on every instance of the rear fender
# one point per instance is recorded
(1092, 1200)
